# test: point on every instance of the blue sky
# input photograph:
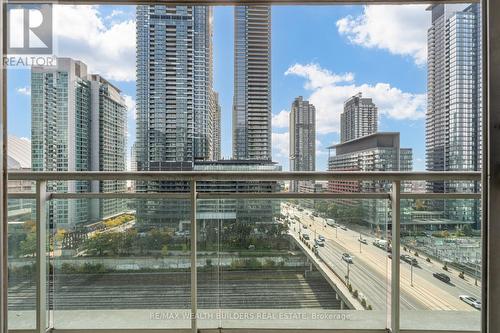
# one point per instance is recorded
(324, 53)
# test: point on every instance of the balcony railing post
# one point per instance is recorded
(395, 230)
(194, 270)
(3, 177)
(41, 256)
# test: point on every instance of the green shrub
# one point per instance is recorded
(93, 268)
(268, 263)
(237, 264)
(68, 268)
(252, 263)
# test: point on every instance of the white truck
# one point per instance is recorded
(382, 244)
(331, 222)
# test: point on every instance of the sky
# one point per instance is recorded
(324, 53)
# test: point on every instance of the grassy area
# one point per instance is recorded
(118, 220)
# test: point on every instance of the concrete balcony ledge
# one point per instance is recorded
(247, 320)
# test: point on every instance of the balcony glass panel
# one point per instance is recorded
(128, 270)
(441, 265)
(291, 263)
(22, 258)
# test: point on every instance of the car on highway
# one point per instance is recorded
(305, 236)
(409, 260)
(304, 226)
(321, 238)
(347, 258)
(331, 223)
(443, 277)
(472, 301)
(362, 240)
(382, 244)
(319, 242)
(343, 227)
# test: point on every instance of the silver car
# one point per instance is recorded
(347, 258)
(472, 301)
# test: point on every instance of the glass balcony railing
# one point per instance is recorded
(233, 250)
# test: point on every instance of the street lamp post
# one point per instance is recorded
(359, 240)
(476, 270)
(411, 274)
(347, 276)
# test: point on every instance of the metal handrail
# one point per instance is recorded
(245, 175)
(245, 195)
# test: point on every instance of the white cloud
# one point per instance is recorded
(317, 76)
(281, 144)
(402, 30)
(131, 106)
(328, 97)
(80, 33)
(114, 13)
(26, 91)
(281, 120)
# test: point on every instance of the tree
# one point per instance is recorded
(59, 236)
(156, 238)
(420, 205)
(164, 250)
(467, 230)
(29, 226)
(28, 245)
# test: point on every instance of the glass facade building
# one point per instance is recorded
(175, 99)
(360, 118)
(453, 120)
(108, 143)
(176, 105)
(78, 124)
(252, 83)
(302, 139)
(377, 152)
(232, 209)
